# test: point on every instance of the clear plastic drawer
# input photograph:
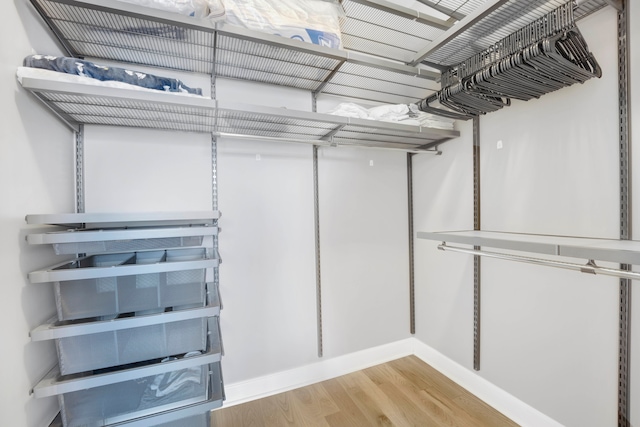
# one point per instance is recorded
(93, 344)
(126, 245)
(96, 351)
(104, 285)
(127, 400)
(151, 393)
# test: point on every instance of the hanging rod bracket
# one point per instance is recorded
(589, 267)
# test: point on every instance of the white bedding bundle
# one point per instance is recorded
(408, 114)
(311, 21)
(195, 8)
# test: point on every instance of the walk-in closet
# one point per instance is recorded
(210, 202)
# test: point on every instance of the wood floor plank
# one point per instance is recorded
(238, 416)
(278, 411)
(314, 404)
(374, 400)
(442, 410)
(413, 414)
(438, 411)
(403, 393)
(426, 377)
(450, 398)
(349, 414)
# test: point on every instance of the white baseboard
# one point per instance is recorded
(322, 370)
(510, 406)
(325, 369)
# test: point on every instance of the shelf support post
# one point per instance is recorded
(214, 187)
(214, 152)
(625, 216)
(316, 206)
(79, 163)
(476, 259)
(316, 218)
(412, 285)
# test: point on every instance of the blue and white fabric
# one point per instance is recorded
(84, 68)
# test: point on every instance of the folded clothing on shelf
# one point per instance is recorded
(349, 109)
(408, 114)
(39, 73)
(84, 68)
(311, 21)
(390, 113)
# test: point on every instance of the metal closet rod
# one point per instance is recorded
(320, 142)
(273, 139)
(435, 152)
(590, 267)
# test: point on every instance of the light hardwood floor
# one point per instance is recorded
(404, 392)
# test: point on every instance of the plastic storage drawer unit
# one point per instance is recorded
(107, 285)
(102, 350)
(122, 401)
(142, 394)
(126, 245)
(95, 233)
(156, 291)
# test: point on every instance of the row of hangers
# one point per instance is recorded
(542, 57)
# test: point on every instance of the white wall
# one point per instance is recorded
(36, 154)
(140, 170)
(364, 248)
(268, 274)
(443, 200)
(557, 174)
(548, 337)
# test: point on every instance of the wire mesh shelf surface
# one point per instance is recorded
(129, 33)
(85, 104)
(505, 20)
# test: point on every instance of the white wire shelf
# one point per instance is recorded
(78, 104)
(125, 32)
(489, 23)
(381, 28)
